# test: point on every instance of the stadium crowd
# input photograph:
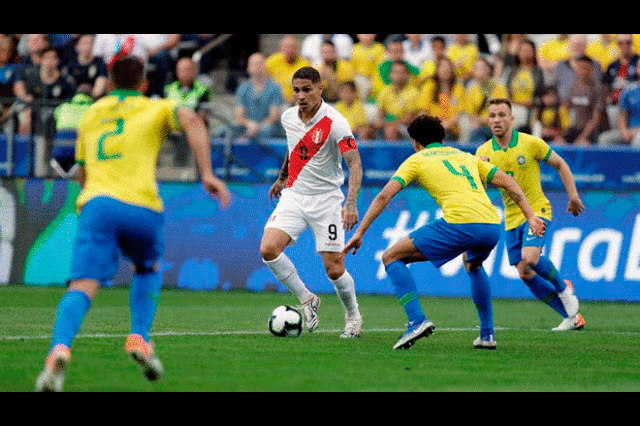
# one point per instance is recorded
(579, 89)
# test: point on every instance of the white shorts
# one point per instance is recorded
(322, 212)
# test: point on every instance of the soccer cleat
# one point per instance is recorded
(569, 300)
(51, 379)
(489, 343)
(310, 311)
(575, 323)
(414, 332)
(142, 353)
(352, 329)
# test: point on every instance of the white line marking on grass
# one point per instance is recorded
(249, 332)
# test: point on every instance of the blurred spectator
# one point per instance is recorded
(525, 81)
(553, 51)
(566, 69)
(64, 45)
(281, 65)
(622, 70)
(188, 91)
(605, 50)
(87, 69)
(352, 108)
(312, 45)
(160, 62)
(463, 54)
(586, 105)
(29, 62)
(67, 117)
(333, 71)
(443, 97)
(479, 90)
(397, 103)
(257, 103)
(8, 70)
(438, 51)
(552, 117)
(191, 43)
(394, 53)
(367, 55)
(48, 84)
(506, 56)
(416, 49)
(627, 126)
(30, 48)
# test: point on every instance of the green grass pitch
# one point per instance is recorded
(218, 342)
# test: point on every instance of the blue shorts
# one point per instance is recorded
(108, 228)
(441, 242)
(519, 237)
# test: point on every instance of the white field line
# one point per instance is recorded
(249, 332)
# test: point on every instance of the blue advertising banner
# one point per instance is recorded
(616, 169)
(208, 248)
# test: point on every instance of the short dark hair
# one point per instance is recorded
(307, 73)
(498, 101)
(426, 129)
(127, 72)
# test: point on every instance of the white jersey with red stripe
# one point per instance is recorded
(315, 148)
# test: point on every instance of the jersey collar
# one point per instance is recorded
(512, 143)
(124, 93)
(434, 145)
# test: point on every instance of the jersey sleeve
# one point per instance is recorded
(343, 135)
(406, 173)
(486, 170)
(171, 113)
(542, 151)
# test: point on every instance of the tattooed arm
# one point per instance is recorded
(350, 211)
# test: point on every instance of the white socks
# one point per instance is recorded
(346, 290)
(285, 271)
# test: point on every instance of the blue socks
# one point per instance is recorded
(481, 295)
(543, 290)
(548, 271)
(71, 311)
(406, 290)
(143, 301)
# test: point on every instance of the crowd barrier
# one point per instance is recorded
(212, 249)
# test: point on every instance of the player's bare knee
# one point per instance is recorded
(334, 268)
(525, 271)
(269, 251)
(389, 256)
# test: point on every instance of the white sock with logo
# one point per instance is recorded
(346, 289)
(285, 271)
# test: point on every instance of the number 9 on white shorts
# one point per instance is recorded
(321, 212)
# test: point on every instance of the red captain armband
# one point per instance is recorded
(347, 144)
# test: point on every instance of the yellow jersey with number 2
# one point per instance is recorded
(521, 160)
(118, 142)
(455, 179)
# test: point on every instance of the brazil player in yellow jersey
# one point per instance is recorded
(519, 155)
(470, 225)
(120, 211)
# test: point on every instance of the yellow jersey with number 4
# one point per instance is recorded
(455, 179)
(521, 160)
(118, 142)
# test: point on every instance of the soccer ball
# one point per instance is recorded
(285, 321)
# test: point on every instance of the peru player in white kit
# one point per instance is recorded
(310, 195)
